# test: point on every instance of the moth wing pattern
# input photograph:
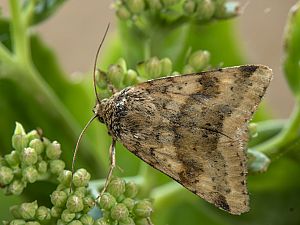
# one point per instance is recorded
(193, 128)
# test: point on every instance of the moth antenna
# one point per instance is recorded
(96, 59)
(77, 145)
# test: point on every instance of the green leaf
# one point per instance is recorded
(44, 9)
(292, 50)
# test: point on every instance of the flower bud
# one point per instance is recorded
(81, 178)
(153, 68)
(59, 198)
(29, 156)
(30, 174)
(136, 6)
(87, 220)
(32, 223)
(130, 78)
(143, 209)
(154, 4)
(166, 66)
(74, 203)
(140, 67)
(131, 189)
(6, 175)
(12, 159)
(56, 211)
(32, 135)
(28, 210)
(88, 203)
(205, 10)
(123, 13)
(42, 213)
(188, 69)
(2, 161)
(42, 167)
(65, 178)
(60, 222)
(128, 221)
(16, 187)
(56, 166)
(19, 139)
(67, 216)
(116, 75)
(101, 221)
(38, 145)
(129, 202)
(101, 79)
(199, 60)
(141, 221)
(75, 222)
(189, 7)
(107, 201)
(170, 2)
(252, 127)
(257, 161)
(15, 211)
(53, 150)
(17, 222)
(119, 212)
(116, 187)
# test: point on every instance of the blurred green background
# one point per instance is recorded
(60, 101)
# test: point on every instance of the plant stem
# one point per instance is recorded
(5, 56)
(290, 133)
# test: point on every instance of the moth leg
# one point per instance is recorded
(112, 154)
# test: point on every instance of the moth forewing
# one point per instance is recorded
(193, 128)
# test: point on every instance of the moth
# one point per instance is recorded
(191, 127)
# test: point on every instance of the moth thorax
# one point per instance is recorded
(99, 110)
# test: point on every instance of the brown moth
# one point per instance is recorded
(192, 128)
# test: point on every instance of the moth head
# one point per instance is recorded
(99, 110)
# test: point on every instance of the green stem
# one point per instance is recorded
(5, 56)
(290, 133)
(19, 29)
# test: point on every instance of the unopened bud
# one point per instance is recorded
(15, 212)
(199, 60)
(205, 10)
(257, 161)
(153, 68)
(42, 213)
(166, 66)
(6, 175)
(75, 222)
(32, 223)
(12, 159)
(101, 221)
(53, 150)
(129, 202)
(17, 222)
(170, 2)
(81, 178)
(74, 204)
(57, 166)
(116, 187)
(107, 201)
(116, 75)
(65, 177)
(28, 210)
(130, 78)
(38, 145)
(29, 156)
(141, 221)
(143, 209)
(56, 211)
(32, 135)
(123, 13)
(189, 7)
(252, 127)
(227, 10)
(67, 216)
(188, 69)
(128, 221)
(154, 4)
(136, 6)
(16, 187)
(131, 189)
(30, 174)
(101, 79)
(86, 220)
(59, 198)
(119, 212)
(42, 167)
(88, 203)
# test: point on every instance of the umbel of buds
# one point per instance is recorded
(119, 205)
(32, 159)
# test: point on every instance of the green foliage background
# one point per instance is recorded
(36, 91)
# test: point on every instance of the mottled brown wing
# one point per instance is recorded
(194, 129)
